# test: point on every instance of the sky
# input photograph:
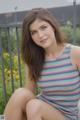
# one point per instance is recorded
(23, 5)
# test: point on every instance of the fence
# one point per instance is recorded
(10, 35)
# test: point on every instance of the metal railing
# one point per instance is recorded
(10, 36)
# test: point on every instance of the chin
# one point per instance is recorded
(45, 47)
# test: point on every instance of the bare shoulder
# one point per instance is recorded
(76, 55)
(76, 49)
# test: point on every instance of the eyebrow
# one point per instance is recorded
(32, 31)
(39, 27)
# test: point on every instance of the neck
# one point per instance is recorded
(53, 51)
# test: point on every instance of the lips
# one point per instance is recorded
(43, 41)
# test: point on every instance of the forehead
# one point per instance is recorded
(37, 23)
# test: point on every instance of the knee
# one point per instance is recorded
(19, 94)
(33, 107)
(20, 97)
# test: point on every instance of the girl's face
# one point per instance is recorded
(42, 33)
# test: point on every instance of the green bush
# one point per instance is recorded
(7, 72)
(72, 36)
(2, 102)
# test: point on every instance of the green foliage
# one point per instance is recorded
(9, 37)
(72, 36)
(4, 38)
(78, 35)
(7, 72)
(2, 102)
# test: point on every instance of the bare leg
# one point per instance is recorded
(17, 104)
(39, 110)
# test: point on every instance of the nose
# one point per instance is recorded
(40, 34)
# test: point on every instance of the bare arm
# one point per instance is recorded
(76, 56)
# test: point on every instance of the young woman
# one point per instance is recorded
(53, 65)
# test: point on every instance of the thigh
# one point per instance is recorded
(49, 112)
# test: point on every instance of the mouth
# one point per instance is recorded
(43, 41)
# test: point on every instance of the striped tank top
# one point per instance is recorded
(60, 84)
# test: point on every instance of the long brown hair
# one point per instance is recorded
(32, 54)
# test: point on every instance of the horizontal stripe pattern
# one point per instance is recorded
(60, 84)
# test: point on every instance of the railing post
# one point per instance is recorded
(74, 21)
(18, 49)
(3, 74)
(11, 63)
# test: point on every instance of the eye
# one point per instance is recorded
(33, 32)
(43, 27)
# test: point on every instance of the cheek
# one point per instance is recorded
(50, 32)
(35, 39)
(53, 35)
